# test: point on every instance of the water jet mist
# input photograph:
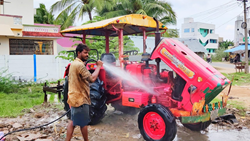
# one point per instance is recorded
(122, 74)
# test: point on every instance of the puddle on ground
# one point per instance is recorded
(213, 133)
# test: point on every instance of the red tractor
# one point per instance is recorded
(183, 93)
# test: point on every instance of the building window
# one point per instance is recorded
(213, 41)
(29, 47)
(210, 50)
(211, 31)
(204, 32)
(192, 30)
(187, 30)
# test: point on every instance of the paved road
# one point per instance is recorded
(224, 65)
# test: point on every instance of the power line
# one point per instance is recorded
(221, 14)
(229, 20)
(212, 9)
(220, 10)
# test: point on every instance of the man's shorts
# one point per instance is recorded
(80, 115)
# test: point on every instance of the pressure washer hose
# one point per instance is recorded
(40, 125)
(35, 126)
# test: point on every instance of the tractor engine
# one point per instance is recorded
(161, 85)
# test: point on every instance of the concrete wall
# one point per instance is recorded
(4, 45)
(22, 67)
(5, 48)
(13, 21)
(22, 8)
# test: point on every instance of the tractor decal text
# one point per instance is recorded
(178, 63)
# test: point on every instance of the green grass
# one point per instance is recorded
(239, 106)
(216, 100)
(236, 104)
(239, 78)
(52, 97)
(12, 104)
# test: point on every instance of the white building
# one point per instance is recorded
(203, 32)
(28, 50)
(239, 32)
(23, 8)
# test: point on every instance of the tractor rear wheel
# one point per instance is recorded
(156, 122)
(98, 102)
(65, 97)
(197, 126)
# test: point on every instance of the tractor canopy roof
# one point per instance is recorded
(131, 24)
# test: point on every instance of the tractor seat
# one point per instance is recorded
(108, 58)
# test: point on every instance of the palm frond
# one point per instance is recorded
(115, 13)
(59, 5)
(83, 9)
(68, 9)
(141, 11)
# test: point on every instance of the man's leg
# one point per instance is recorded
(70, 130)
(84, 131)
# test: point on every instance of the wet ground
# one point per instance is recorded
(115, 126)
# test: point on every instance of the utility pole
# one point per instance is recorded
(246, 40)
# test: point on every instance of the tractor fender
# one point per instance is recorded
(66, 72)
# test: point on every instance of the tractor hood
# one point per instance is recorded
(193, 69)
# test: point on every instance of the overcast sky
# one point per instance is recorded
(222, 13)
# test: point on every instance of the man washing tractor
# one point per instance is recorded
(186, 96)
(79, 91)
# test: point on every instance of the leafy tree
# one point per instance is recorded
(64, 20)
(226, 44)
(95, 19)
(161, 10)
(43, 16)
(219, 54)
(171, 33)
(99, 43)
(78, 7)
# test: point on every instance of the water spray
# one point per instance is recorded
(128, 77)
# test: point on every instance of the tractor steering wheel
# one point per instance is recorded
(90, 60)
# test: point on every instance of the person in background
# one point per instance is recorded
(208, 58)
(79, 91)
(232, 56)
(242, 57)
(237, 58)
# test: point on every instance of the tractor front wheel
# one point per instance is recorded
(157, 123)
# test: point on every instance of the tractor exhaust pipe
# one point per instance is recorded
(157, 40)
(157, 33)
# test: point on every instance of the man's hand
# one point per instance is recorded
(99, 63)
(95, 74)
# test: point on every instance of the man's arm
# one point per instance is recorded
(95, 74)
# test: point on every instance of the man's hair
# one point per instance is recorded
(80, 47)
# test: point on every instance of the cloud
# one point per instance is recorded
(48, 3)
(230, 27)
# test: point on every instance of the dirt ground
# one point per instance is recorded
(115, 126)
